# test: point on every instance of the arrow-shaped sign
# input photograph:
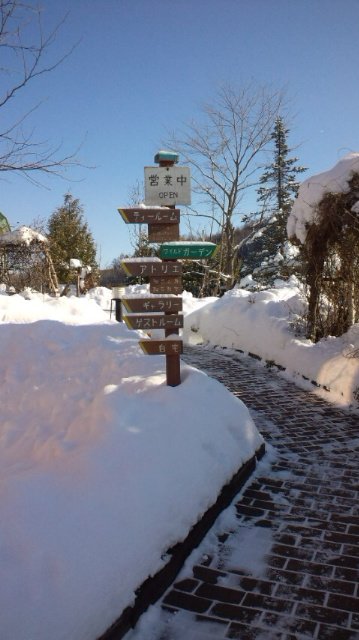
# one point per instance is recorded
(155, 267)
(153, 215)
(187, 250)
(170, 304)
(162, 347)
(157, 321)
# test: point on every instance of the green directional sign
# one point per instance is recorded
(187, 250)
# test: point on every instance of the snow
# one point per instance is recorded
(141, 259)
(103, 466)
(75, 263)
(267, 324)
(22, 235)
(312, 190)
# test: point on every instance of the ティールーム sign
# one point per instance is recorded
(150, 215)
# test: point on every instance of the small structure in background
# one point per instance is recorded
(25, 261)
(117, 294)
(83, 277)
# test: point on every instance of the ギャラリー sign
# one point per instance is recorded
(169, 304)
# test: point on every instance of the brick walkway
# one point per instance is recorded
(301, 509)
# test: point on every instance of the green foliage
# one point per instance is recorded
(142, 247)
(279, 186)
(267, 254)
(70, 237)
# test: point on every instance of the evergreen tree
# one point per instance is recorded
(279, 185)
(267, 253)
(69, 237)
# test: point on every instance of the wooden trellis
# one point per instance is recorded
(25, 261)
(332, 263)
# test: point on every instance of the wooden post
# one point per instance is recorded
(173, 363)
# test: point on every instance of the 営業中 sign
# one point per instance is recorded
(167, 185)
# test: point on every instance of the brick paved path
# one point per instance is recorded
(301, 507)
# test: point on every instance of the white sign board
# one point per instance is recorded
(167, 185)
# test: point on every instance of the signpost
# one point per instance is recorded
(165, 186)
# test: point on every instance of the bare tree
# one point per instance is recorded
(225, 152)
(24, 51)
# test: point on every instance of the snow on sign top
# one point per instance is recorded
(22, 235)
(312, 190)
(167, 185)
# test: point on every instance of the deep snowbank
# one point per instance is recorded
(102, 466)
(263, 323)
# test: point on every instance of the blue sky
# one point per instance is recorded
(144, 67)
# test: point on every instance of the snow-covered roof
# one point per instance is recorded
(22, 235)
(312, 190)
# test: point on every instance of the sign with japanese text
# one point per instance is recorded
(166, 284)
(154, 321)
(153, 215)
(170, 304)
(162, 347)
(167, 185)
(187, 250)
(151, 268)
(163, 232)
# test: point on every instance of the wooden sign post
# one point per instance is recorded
(165, 187)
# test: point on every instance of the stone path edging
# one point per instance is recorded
(154, 588)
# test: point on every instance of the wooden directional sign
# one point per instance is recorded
(163, 232)
(187, 250)
(156, 321)
(166, 284)
(150, 268)
(162, 347)
(169, 304)
(153, 215)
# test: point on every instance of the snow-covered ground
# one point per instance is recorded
(103, 467)
(269, 324)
